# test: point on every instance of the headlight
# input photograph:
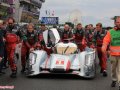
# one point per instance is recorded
(32, 58)
(89, 59)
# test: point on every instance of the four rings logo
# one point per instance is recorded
(60, 62)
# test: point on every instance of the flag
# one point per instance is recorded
(53, 13)
(46, 12)
(49, 13)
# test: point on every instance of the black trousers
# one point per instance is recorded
(2, 55)
(1, 65)
(5, 56)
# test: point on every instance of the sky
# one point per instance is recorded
(84, 11)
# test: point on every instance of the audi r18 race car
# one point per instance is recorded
(65, 59)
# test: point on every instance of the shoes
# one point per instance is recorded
(14, 74)
(23, 69)
(5, 67)
(104, 73)
(119, 88)
(113, 84)
(1, 72)
(101, 71)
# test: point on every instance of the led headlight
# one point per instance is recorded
(89, 59)
(32, 58)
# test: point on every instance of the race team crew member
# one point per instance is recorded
(30, 39)
(40, 37)
(41, 42)
(79, 36)
(1, 47)
(67, 33)
(113, 38)
(5, 61)
(89, 36)
(12, 39)
(99, 35)
(90, 26)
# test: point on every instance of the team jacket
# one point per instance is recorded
(11, 34)
(67, 35)
(79, 34)
(30, 39)
(98, 37)
(89, 35)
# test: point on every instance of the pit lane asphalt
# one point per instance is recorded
(56, 82)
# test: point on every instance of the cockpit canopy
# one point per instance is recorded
(51, 37)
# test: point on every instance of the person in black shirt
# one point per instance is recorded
(98, 37)
(79, 36)
(67, 33)
(1, 47)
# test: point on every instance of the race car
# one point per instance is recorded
(66, 58)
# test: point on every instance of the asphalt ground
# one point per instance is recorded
(56, 82)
